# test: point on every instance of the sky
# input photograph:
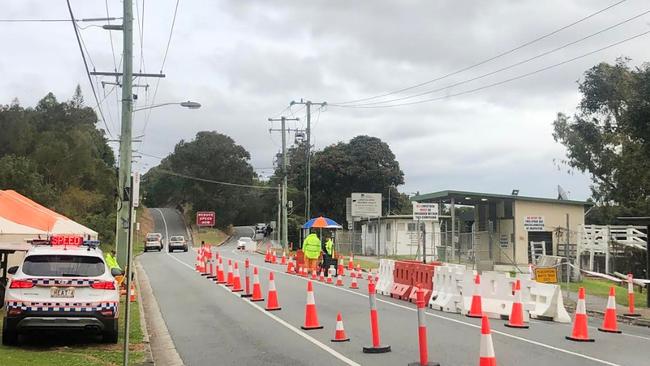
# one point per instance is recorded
(244, 61)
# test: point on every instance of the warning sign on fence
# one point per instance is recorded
(546, 275)
(534, 223)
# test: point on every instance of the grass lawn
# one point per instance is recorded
(364, 264)
(209, 235)
(600, 288)
(76, 350)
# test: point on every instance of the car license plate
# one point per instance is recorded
(67, 292)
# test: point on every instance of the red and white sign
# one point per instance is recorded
(206, 218)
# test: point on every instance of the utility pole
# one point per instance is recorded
(283, 130)
(308, 104)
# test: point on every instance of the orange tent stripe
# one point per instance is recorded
(21, 210)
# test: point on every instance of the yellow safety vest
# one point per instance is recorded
(311, 246)
(329, 247)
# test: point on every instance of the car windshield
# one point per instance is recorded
(177, 238)
(152, 237)
(63, 266)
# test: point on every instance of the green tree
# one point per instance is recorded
(609, 136)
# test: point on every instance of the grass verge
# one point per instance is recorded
(600, 288)
(209, 235)
(75, 349)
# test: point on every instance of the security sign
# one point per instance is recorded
(425, 211)
(206, 218)
(546, 274)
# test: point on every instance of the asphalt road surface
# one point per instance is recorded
(211, 326)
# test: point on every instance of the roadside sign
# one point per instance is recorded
(534, 223)
(504, 240)
(136, 189)
(425, 211)
(546, 274)
(206, 218)
(366, 205)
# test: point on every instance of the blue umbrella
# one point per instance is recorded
(321, 223)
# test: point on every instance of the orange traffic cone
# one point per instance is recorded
(353, 284)
(236, 283)
(132, 296)
(580, 332)
(273, 257)
(290, 268)
(517, 313)
(229, 278)
(311, 316)
(339, 334)
(351, 263)
(475, 310)
(257, 290)
(487, 357)
(630, 296)
(272, 303)
(322, 276)
(609, 323)
(339, 281)
(314, 276)
(284, 258)
(220, 275)
(341, 270)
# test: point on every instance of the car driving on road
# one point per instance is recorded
(62, 286)
(177, 242)
(243, 242)
(153, 241)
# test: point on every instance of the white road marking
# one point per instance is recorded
(316, 342)
(546, 323)
(451, 320)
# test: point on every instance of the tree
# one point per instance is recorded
(609, 136)
(211, 156)
(55, 154)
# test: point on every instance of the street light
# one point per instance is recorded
(188, 104)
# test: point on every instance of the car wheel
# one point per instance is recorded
(110, 336)
(171, 250)
(9, 335)
(185, 249)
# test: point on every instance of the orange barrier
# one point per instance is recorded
(410, 275)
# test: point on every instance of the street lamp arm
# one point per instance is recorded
(188, 104)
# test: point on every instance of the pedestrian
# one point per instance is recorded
(328, 252)
(111, 261)
(311, 247)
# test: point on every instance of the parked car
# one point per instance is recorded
(153, 241)
(177, 242)
(62, 286)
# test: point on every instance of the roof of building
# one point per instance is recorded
(473, 198)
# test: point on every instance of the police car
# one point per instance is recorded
(62, 284)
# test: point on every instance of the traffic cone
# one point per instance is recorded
(284, 258)
(272, 302)
(304, 272)
(517, 313)
(353, 273)
(374, 324)
(630, 296)
(339, 334)
(267, 256)
(351, 263)
(329, 279)
(341, 270)
(359, 271)
(290, 268)
(311, 316)
(229, 278)
(257, 290)
(220, 275)
(339, 280)
(236, 287)
(475, 310)
(273, 257)
(580, 331)
(609, 323)
(197, 262)
(353, 284)
(132, 296)
(487, 357)
(314, 276)
(322, 276)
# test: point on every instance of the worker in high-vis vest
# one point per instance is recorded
(111, 262)
(329, 247)
(311, 247)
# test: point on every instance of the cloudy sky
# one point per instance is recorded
(244, 61)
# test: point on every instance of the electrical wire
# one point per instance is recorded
(90, 80)
(503, 81)
(504, 53)
(519, 63)
(54, 20)
(168, 172)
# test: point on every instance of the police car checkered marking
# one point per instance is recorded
(62, 306)
(62, 282)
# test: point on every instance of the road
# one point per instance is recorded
(210, 325)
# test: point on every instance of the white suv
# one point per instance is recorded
(153, 241)
(67, 287)
(177, 242)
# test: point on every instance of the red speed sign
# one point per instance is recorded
(206, 218)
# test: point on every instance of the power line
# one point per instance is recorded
(503, 81)
(215, 181)
(507, 52)
(545, 53)
(90, 80)
(56, 20)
